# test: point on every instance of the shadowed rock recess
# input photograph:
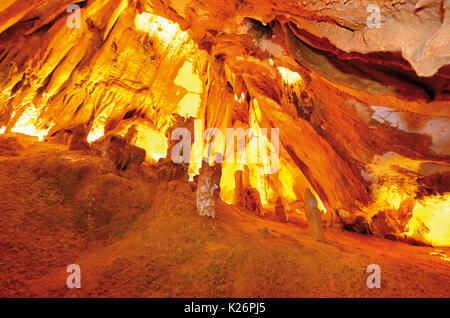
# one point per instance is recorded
(354, 97)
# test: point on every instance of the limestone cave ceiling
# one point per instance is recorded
(363, 113)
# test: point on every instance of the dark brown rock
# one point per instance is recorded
(314, 217)
(437, 183)
(353, 222)
(168, 170)
(252, 201)
(280, 211)
(78, 141)
(381, 226)
(127, 158)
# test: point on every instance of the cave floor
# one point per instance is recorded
(170, 251)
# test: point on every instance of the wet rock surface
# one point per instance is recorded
(10, 146)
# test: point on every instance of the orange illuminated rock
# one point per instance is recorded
(362, 110)
(252, 201)
(314, 217)
(280, 211)
(238, 189)
(78, 141)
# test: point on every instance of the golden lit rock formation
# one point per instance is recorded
(363, 113)
(340, 108)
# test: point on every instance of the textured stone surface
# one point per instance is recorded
(208, 190)
(238, 189)
(280, 211)
(361, 96)
(78, 141)
(313, 215)
(126, 158)
(354, 222)
(10, 146)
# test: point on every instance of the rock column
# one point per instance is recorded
(314, 217)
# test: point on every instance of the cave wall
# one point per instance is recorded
(368, 111)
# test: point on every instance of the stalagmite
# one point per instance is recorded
(244, 195)
(280, 212)
(238, 189)
(208, 189)
(353, 222)
(314, 217)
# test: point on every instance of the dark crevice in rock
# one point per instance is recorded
(387, 68)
